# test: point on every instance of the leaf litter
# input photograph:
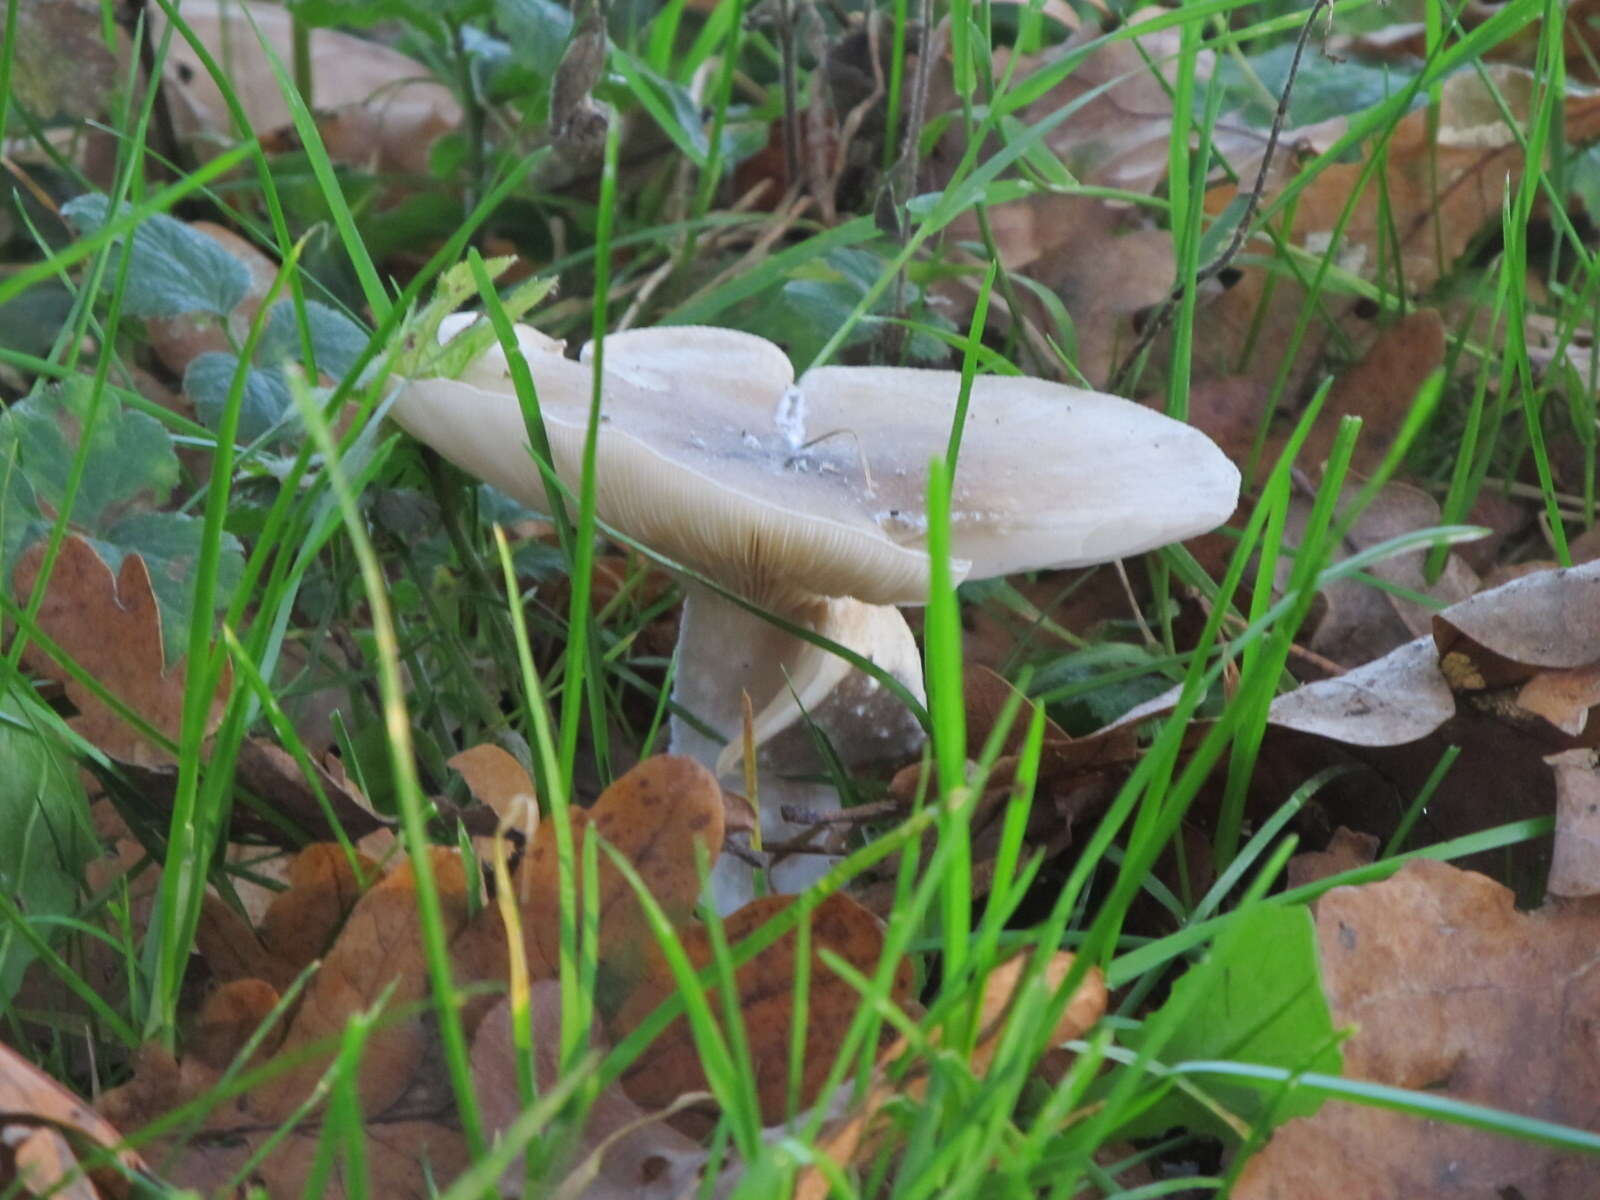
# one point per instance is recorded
(1447, 987)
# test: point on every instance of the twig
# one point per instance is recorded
(859, 814)
(1163, 316)
(791, 97)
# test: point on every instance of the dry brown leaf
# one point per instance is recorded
(1379, 389)
(765, 987)
(272, 773)
(299, 925)
(843, 1142)
(655, 815)
(622, 1153)
(378, 108)
(1548, 619)
(1360, 622)
(378, 952)
(1579, 31)
(496, 779)
(35, 1112)
(1575, 864)
(1563, 697)
(1117, 137)
(1489, 648)
(110, 626)
(499, 781)
(410, 1113)
(1454, 992)
(1230, 410)
(1442, 186)
(1345, 851)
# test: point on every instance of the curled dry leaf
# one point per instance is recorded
(1362, 622)
(41, 1123)
(1454, 992)
(272, 774)
(1575, 865)
(111, 627)
(1524, 651)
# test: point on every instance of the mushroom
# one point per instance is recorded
(807, 499)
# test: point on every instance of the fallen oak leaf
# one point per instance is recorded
(1453, 991)
(299, 925)
(765, 987)
(846, 1139)
(34, 1106)
(110, 626)
(410, 1118)
(621, 1154)
(654, 815)
(377, 955)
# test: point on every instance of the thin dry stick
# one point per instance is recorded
(1163, 316)
(1133, 603)
(791, 95)
(903, 180)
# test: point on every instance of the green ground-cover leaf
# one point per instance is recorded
(130, 457)
(1259, 1001)
(538, 32)
(336, 340)
(266, 402)
(369, 12)
(804, 312)
(130, 470)
(174, 269)
(45, 837)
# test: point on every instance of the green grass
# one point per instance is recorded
(454, 646)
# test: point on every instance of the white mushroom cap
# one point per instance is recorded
(1047, 476)
(785, 492)
(697, 474)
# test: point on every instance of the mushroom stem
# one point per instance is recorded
(724, 651)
